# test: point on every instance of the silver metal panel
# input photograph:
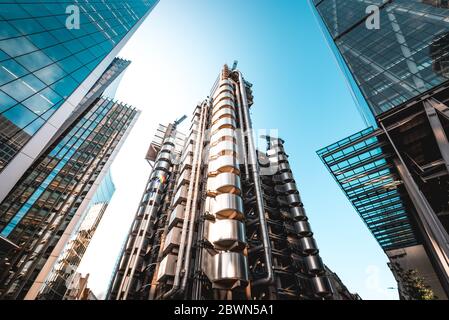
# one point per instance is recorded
(284, 167)
(223, 146)
(227, 205)
(172, 240)
(275, 151)
(287, 188)
(221, 134)
(308, 245)
(187, 163)
(223, 164)
(225, 234)
(314, 265)
(184, 178)
(223, 96)
(170, 141)
(286, 177)
(163, 165)
(224, 85)
(293, 199)
(226, 270)
(165, 155)
(223, 113)
(303, 228)
(223, 123)
(280, 158)
(180, 196)
(167, 267)
(158, 173)
(321, 286)
(224, 183)
(222, 104)
(167, 148)
(176, 216)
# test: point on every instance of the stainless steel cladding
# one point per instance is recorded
(129, 274)
(224, 183)
(226, 270)
(176, 216)
(314, 265)
(225, 205)
(167, 267)
(224, 164)
(224, 231)
(172, 240)
(308, 245)
(210, 225)
(225, 234)
(303, 228)
(321, 286)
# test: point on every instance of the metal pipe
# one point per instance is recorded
(260, 205)
(195, 199)
(179, 262)
(242, 128)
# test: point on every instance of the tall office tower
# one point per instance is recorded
(395, 55)
(51, 54)
(42, 210)
(219, 219)
(63, 272)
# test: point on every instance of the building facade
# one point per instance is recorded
(395, 57)
(78, 289)
(65, 269)
(51, 54)
(42, 210)
(220, 219)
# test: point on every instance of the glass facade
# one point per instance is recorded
(407, 56)
(63, 272)
(42, 60)
(40, 207)
(362, 167)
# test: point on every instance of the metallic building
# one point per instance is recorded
(220, 219)
(78, 289)
(65, 269)
(44, 207)
(396, 172)
(51, 54)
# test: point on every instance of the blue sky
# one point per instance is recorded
(299, 90)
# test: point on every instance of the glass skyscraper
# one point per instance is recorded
(405, 57)
(65, 269)
(395, 55)
(60, 127)
(51, 53)
(42, 210)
